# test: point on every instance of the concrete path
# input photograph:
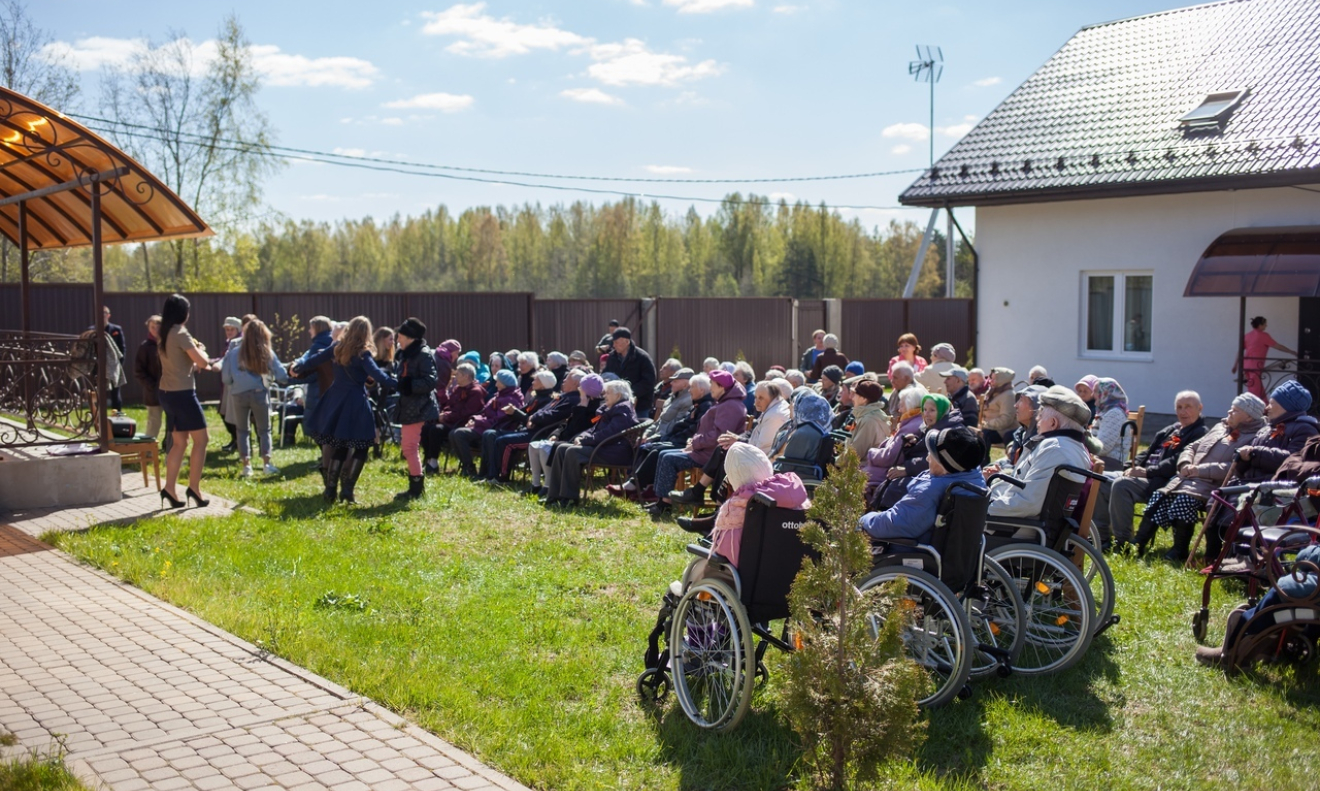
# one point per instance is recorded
(145, 696)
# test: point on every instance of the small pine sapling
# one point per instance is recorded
(851, 693)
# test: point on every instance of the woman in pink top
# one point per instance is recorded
(1256, 345)
(908, 350)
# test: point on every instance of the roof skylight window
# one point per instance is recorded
(1213, 110)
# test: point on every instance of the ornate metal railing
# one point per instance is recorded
(1278, 370)
(47, 388)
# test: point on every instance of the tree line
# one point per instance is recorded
(749, 247)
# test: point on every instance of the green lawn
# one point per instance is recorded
(518, 633)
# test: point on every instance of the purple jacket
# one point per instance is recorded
(445, 355)
(728, 414)
(493, 417)
(1277, 441)
(609, 422)
(463, 404)
(879, 460)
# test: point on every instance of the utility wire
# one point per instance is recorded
(409, 170)
(518, 173)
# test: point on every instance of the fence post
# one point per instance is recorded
(651, 324)
(834, 316)
(793, 334)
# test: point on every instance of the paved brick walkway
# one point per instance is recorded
(146, 696)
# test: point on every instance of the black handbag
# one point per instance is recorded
(123, 427)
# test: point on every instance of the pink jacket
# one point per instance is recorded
(788, 492)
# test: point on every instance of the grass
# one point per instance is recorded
(517, 634)
(36, 771)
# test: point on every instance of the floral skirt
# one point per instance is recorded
(339, 442)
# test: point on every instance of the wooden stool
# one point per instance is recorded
(139, 450)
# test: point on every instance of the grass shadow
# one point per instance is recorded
(760, 753)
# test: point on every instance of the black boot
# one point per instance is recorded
(693, 495)
(702, 525)
(352, 469)
(416, 487)
(1145, 532)
(331, 476)
(1182, 539)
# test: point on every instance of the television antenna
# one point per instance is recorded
(929, 67)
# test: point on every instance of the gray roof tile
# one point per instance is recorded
(1108, 104)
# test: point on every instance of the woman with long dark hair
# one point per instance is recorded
(343, 423)
(180, 356)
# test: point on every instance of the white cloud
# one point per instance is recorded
(901, 149)
(632, 63)
(392, 121)
(987, 82)
(275, 66)
(788, 9)
(350, 152)
(667, 170)
(444, 102)
(784, 196)
(707, 6)
(281, 68)
(958, 130)
(909, 131)
(485, 36)
(590, 96)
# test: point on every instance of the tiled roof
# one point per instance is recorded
(1100, 118)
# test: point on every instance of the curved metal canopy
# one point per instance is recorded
(1259, 262)
(52, 164)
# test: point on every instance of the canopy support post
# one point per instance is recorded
(98, 322)
(1242, 343)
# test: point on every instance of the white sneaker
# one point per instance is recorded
(247, 471)
(271, 469)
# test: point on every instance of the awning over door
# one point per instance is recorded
(1259, 262)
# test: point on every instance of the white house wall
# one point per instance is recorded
(1032, 257)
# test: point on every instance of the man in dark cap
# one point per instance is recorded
(631, 362)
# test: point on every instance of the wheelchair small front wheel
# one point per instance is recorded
(1199, 623)
(653, 686)
(712, 658)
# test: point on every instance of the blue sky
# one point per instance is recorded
(700, 89)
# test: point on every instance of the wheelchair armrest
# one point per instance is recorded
(764, 499)
(1095, 476)
(1312, 483)
(707, 553)
(902, 542)
(999, 476)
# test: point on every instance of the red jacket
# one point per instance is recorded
(464, 403)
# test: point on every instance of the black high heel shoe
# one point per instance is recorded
(192, 496)
(167, 498)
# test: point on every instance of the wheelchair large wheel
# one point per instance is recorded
(1101, 580)
(1060, 610)
(939, 638)
(998, 620)
(712, 659)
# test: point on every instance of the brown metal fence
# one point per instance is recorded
(870, 327)
(757, 328)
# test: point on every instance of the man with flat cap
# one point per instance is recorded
(631, 362)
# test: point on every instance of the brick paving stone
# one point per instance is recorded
(149, 696)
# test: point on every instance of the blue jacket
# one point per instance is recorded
(309, 377)
(345, 412)
(240, 380)
(913, 517)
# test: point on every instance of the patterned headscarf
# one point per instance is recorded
(813, 409)
(1109, 395)
(473, 358)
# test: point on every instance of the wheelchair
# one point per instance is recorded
(1287, 627)
(1063, 579)
(970, 616)
(702, 642)
(388, 432)
(1252, 553)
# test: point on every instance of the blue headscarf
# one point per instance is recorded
(815, 410)
(473, 358)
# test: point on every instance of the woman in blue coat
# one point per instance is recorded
(343, 423)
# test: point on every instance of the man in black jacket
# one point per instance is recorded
(960, 395)
(1155, 467)
(630, 362)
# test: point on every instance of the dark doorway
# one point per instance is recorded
(1308, 346)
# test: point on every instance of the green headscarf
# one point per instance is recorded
(942, 405)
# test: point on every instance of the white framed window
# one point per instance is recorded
(1116, 314)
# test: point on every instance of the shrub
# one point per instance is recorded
(851, 693)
